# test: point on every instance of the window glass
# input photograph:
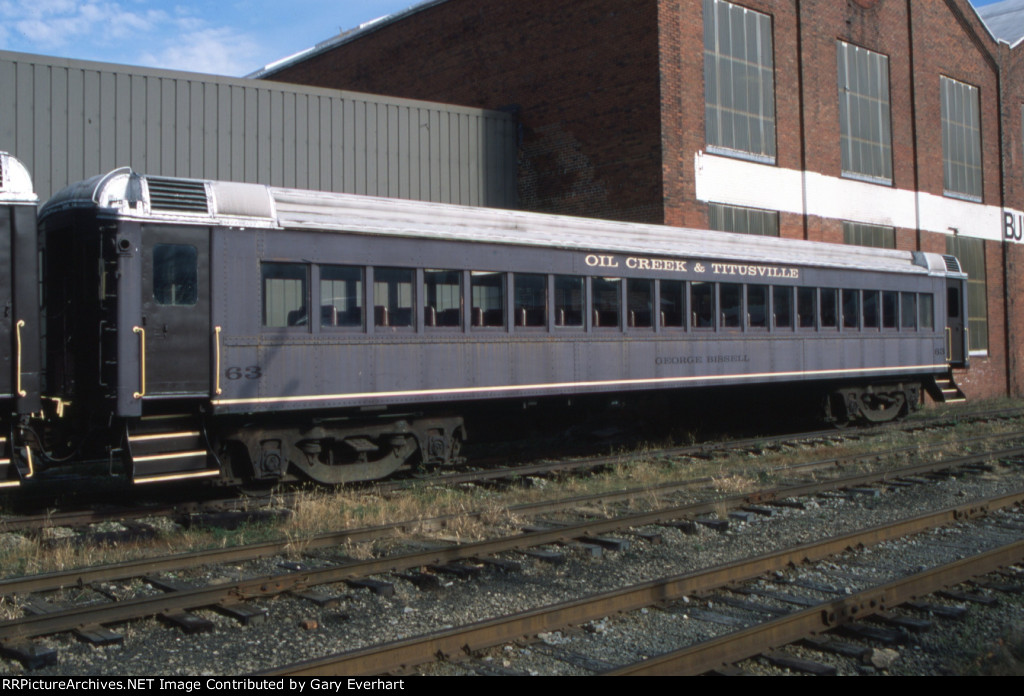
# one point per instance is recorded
(531, 299)
(607, 294)
(926, 305)
(442, 298)
(488, 295)
(341, 296)
(739, 80)
(872, 315)
(175, 275)
(727, 218)
(392, 297)
(807, 308)
(851, 309)
(961, 139)
(865, 132)
(829, 316)
(673, 303)
(284, 294)
(702, 305)
(890, 308)
(782, 307)
(757, 306)
(639, 303)
(908, 310)
(731, 298)
(569, 301)
(876, 236)
(971, 254)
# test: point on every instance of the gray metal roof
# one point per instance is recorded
(1005, 20)
(124, 194)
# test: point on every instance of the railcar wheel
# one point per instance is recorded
(872, 403)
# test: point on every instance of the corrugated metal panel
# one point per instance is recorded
(68, 120)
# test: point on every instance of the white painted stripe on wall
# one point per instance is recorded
(754, 185)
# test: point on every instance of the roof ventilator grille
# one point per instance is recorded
(178, 195)
(952, 264)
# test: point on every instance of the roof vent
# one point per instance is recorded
(952, 264)
(179, 195)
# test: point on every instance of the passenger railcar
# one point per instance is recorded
(247, 332)
(20, 323)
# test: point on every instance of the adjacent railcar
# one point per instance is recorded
(246, 332)
(20, 323)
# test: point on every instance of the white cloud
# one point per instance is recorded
(220, 51)
(127, 31)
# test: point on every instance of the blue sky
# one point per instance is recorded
(225, 37)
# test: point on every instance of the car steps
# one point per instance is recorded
(8, 473)
(167, 448)
(946, 391)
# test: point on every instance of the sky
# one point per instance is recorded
(222, 37)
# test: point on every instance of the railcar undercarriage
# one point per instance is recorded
(872, 403)
(340, 451)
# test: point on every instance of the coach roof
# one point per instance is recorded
(123, 194)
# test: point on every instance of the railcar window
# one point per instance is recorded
(757, 306)
(908, 310)
(442, 297)
(702, 305)
(285, 295)
(393, 297)
(851, 309)
(488, 292)
(890, 308)
(731, 300)
(569, 301)
(175, 274)
(607, 296)
(531, 299)
(640, 303)
(926, 305)
(341, 296)
(871, 314)
(807, 307)
(829, 315)
(673, 303)
(782, 307)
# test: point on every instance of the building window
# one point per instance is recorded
(961, 139)
(877, 236)
(739, 81)
(971, 254)
(727, 218)
(865, 131)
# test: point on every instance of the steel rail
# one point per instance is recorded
(734, 647)
(84, 517)
(400, 655)
(117, 571)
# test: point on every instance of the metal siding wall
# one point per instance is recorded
(69, 120)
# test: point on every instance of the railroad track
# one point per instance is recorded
(708, 655)
(239, 509)
(171, 600)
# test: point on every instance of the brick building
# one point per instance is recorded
(884, 122)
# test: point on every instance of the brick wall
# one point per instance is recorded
(583, 76)
(610, 94)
